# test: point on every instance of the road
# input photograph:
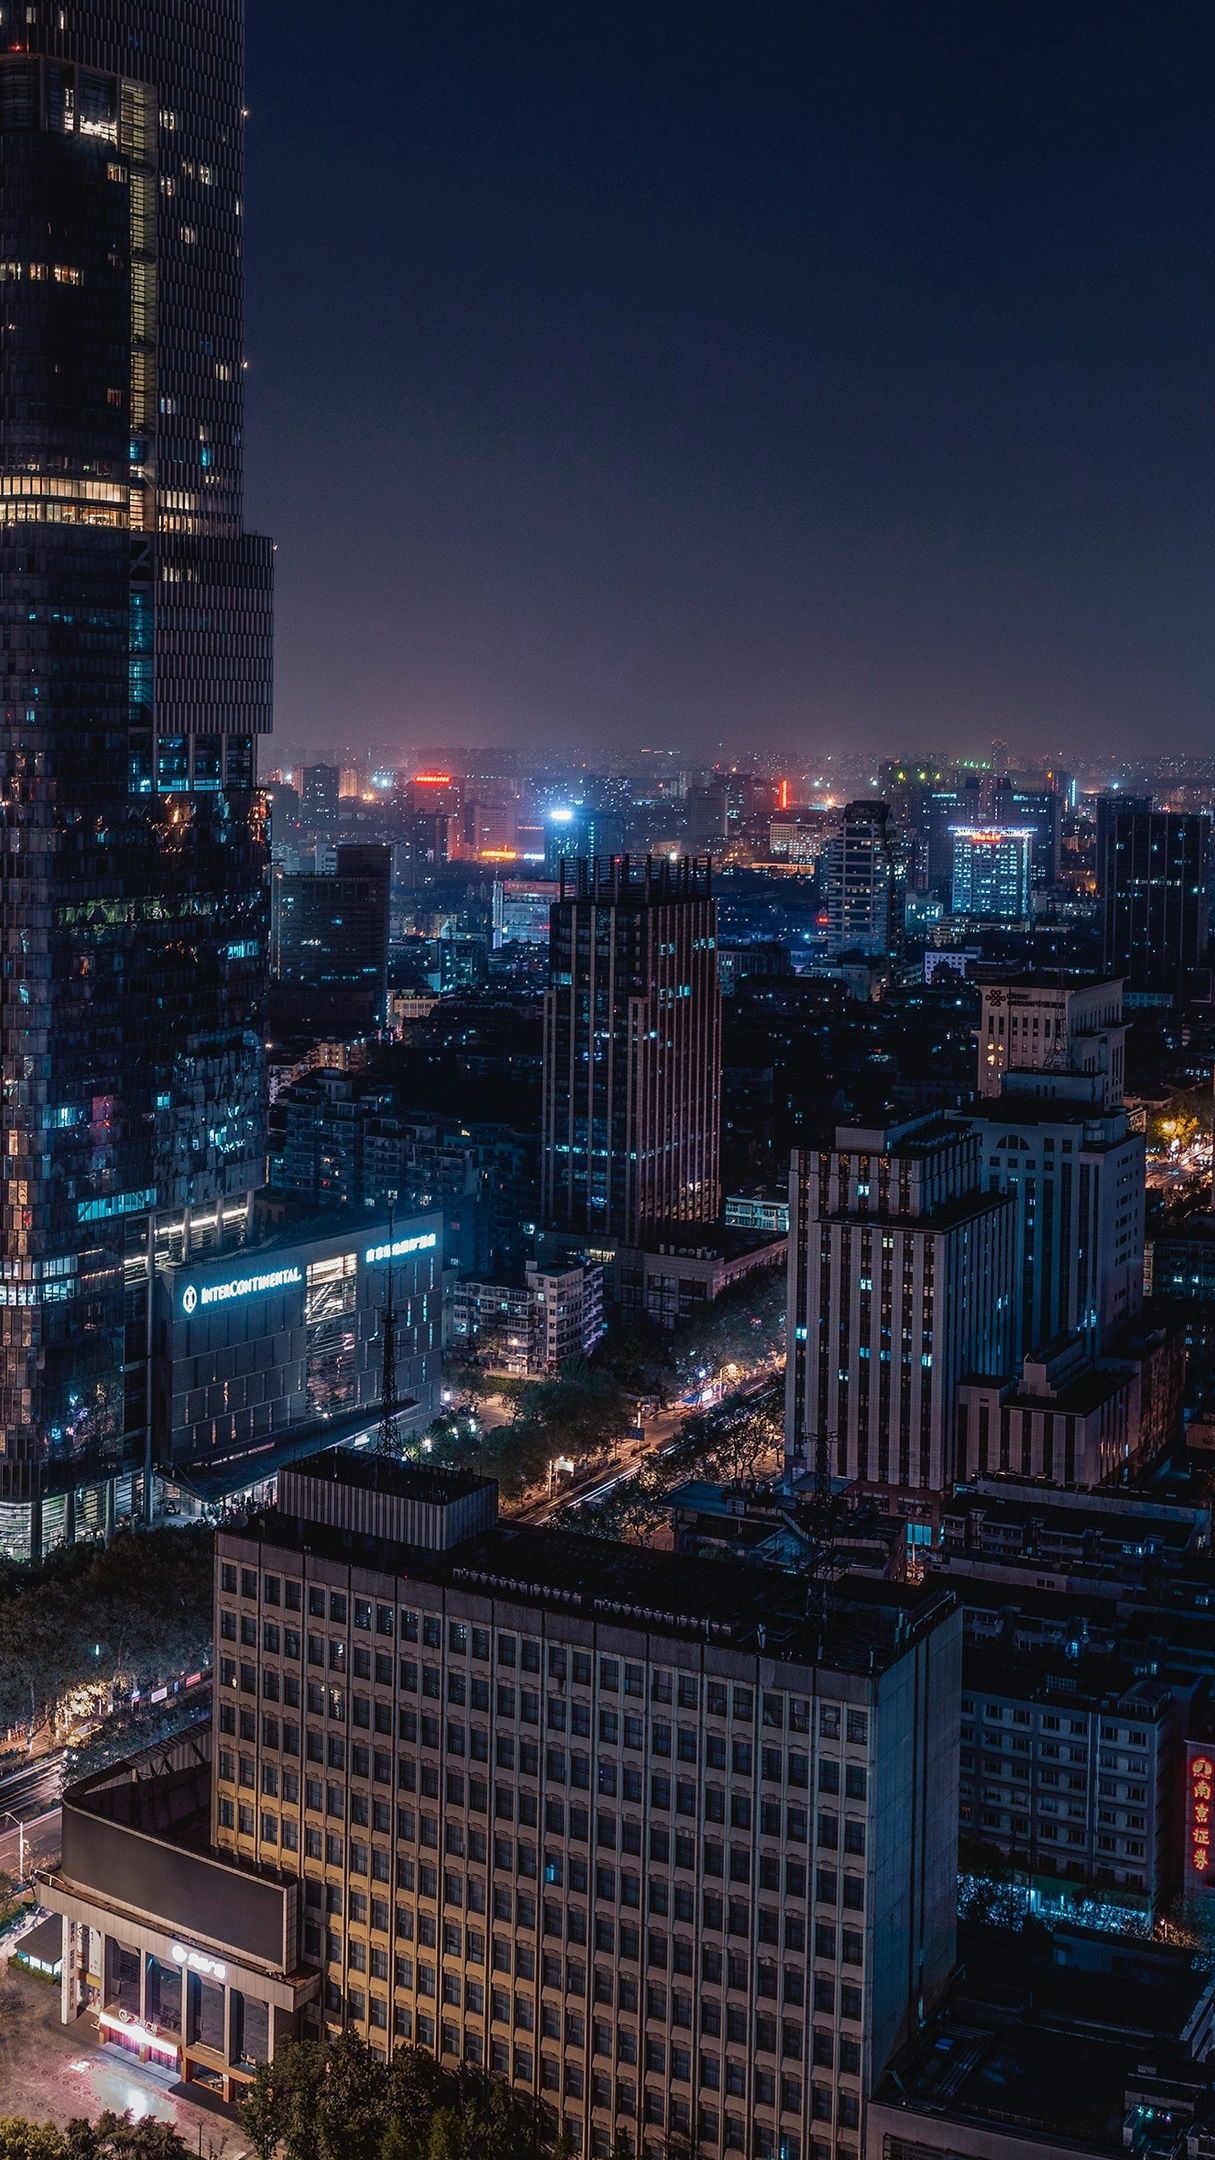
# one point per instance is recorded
(30, 1793)
(662, 1436)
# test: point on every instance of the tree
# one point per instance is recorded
(22, 2140)
(260, 2110)
(299, 2068)
(352, 2108)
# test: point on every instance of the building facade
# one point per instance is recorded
(632, 1050)
(900, 1287)
(329, 941)
(553, 1317)
(1075, 1178)
(266, 1350)
(135, 615)
(1153, 870)
(991, 872)
(1031, 1024)
(625, 1830)
(859, 882)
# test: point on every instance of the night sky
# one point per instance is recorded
(760, 376)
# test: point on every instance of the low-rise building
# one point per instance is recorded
(536, 1326)
(1067, 2046)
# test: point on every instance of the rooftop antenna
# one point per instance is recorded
(386, 1443)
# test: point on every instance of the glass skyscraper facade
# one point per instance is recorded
(135, 629)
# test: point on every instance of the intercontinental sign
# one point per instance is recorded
(241, 1286)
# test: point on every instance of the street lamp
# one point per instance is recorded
(10, 1817)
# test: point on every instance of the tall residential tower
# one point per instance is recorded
(135, 617)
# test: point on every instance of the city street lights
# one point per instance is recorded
(10, 1817)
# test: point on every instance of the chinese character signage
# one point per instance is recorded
(1200, 1788)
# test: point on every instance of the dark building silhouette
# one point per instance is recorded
(632, 1049)
(135, 621)
(329, 942)
(1152, 872)
(319, 798)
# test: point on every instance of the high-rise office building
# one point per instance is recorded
(859, 882)
(900, 1286)
(1054, 1135)
(329, 941)
(1152, 874)
(135, 618)
(991, 872)
(644, 1836)
(632, 1050)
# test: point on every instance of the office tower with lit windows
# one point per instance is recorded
(1153, 870)
(991, 872)
(632, 1050)
(900, 1287)
(136, 631)
(859, 882)
(655, 1840)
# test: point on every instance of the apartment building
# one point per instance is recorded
(1073, 1775)
(638, 1834)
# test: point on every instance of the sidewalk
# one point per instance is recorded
(52, 2072)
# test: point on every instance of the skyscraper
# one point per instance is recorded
(329, 941)
(632, 1049)
(1152, 872)
(859, 882)
(136, 623)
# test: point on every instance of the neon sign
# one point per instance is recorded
(426, 1242)
(1202, 1785)
(242, 1286)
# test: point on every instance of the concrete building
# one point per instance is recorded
(537, 1326)
(1073, 1773)
(1068, 1418)
(1075, 1177)
(900, 1288)
(680, 1273)
(1029, 1024)
(632, 1050)
(329, 942)
(629, 1831)
(757, 1211)
(1071, 2045)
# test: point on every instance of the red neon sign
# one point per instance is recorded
(432, 779)
(1202, 1786)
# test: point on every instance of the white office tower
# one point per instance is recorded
(900, 1286)
(1032, 1024)
(1055, 1138)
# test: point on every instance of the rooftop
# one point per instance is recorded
(1045, 2035)
(865, 1627)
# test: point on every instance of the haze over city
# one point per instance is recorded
(769, 377)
